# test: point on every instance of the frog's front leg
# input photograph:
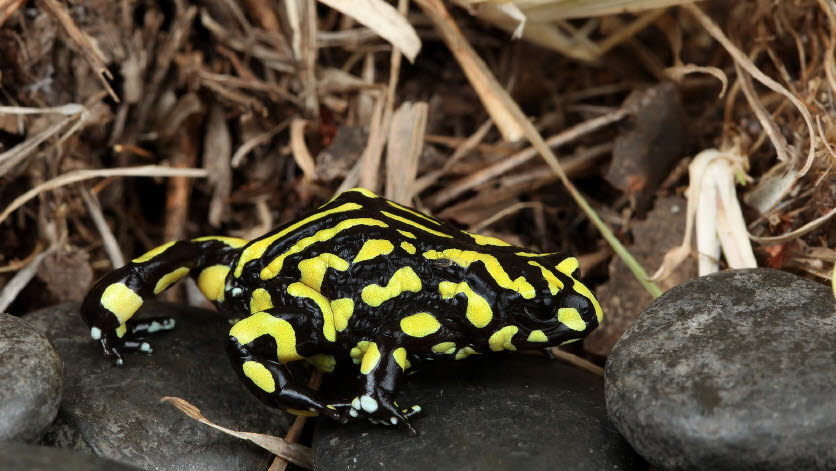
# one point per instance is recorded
(382, 367)
(261, 345)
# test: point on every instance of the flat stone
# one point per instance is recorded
(734, 370)
(489, 412)
(116, 412)
(30, 381)
(41, 458)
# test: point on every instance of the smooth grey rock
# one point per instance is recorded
(41, 458)
(734, 370)
(116, 412)
(492, 412)
(30, 381)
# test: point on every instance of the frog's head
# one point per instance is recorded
(551, 307)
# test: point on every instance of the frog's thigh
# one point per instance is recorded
(261, 345)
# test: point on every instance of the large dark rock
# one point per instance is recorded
(42, 458)
(491, 412)
(116, 412)
(30, 381)
(735, 370)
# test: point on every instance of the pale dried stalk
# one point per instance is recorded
(80, 175)
(405, 143)
(111, 246)
(300, 151)
(292, 452)
(502, 167)
(21, 279)
(383, 19)
(768, 124)
(493, 96)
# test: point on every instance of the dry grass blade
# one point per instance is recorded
(91, 52)
(241, 152)
(7, 7)
(81, 175)
(300, 151)
(503, 166)
(806, 228)
(114, 253)
(677, 73)
(406, 141)
(493, 96)
(21, 279)
(744, 62)
(769, 126)
(577, 361)
(383, 19)
(292, 452)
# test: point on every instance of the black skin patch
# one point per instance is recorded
(306, 322)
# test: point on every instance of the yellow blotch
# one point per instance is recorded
(313, 269)
(169, 279)
(373, 248)
(211, 282)
(370, 359)
(275, 266)
(400, 357)
(261, 323)
(257, 249)
(570, 341)
(501, 339)
(323, 362)
(414, 224)
(259, 375)
(581, 289)
(464, 258)
(420, 325)
(121, 301)
(444, 347)
(568, 266)
(409, 248)
(301, 290)
(363, 191)
(534, 254)
(120, 331)
(343, 309)
(153, 252)
(261, 300)
(303, 413)
(554, 283)
(233, 242)
(358, 351)
(407, 234)
(537, 336)
(402, 280)
(571, 318)
(465, 352)
(478, 311)
(487, 240)
(414, 213)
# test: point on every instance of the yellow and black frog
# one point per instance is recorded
(363, 278)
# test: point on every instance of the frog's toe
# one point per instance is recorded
(416, 409)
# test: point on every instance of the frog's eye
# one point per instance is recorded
(542, 313)
(577, 273)
(442, 262)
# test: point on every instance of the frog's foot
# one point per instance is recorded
(131, 340)
(380, 409)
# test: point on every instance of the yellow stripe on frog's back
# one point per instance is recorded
(413, 212)
(275, 266)
(256, 249)
(464, 258)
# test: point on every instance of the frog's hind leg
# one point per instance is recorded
(261, 345)
(115, 297)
